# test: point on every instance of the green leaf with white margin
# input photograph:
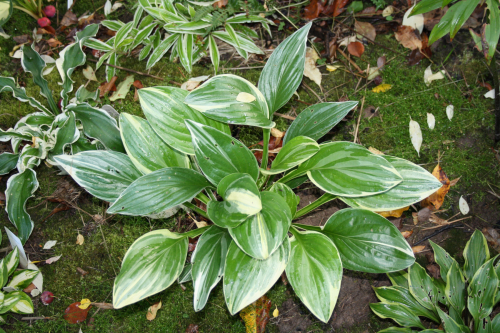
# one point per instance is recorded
(246, 44)
(143, 34)
(67, 132)
(163, 48)
(8, 162)
(146, 150)
(219, 154)
(247, 279)
(399, 330)
(9, 84)
(492, 30)
(283, 72)
(112, 24)
(4, 273)
(11, 262)
(214, 53)
(123, 33)
(396, 294)
(208, 262)
(152, 263)
(482, 291)
(98, 124)
(315, 272)
(71, 57)
(165, 110)
(24, 305)
(111, 71)
(400, 313)
(22, 279)
(441, 293)
(185, 275)
(20, 188)
(9, 301)
(417, 185)
(291, 199)
(495, 323)
(399, 278)
(368, 242)
(349, 170)
(6, 8)
(241, 199)
(231, 99)
(317, 120)
(262, 234)
(232, 34)
(96, 44)
(33, 63)
(422, 287)
(185, 46)
(455, 290)
(103, 173)
(450, 325)
(442, 258)
(476, 253)
(294, 152)
(158, 191)
(16, 243)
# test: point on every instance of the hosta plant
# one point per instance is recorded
(190, 32)
(55, 128)
(461, 300)
(184, 150)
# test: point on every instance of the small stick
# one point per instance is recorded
(136, 72)
(350, 60)
(359, 119)
(284, 116)
(315, 94)
(437, 232)
(37, 318)
(237, 68)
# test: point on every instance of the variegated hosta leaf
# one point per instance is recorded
(152, 263)
(291, 199)
(455, 290)
(11, 134)
(33, 63)
(36, 119)
(315, 272)
(20, 188)
(96, 44)
(8, 162)
(442, 258)
(4, 273)
(158, 191)
(283, 72)
(11, 261)
(9, 301)
(143, 34)
(421, 286)
(111, 71)
(368, 242)
(296, 151)
(318, 119)
(6, 8)
(114, 25)
(246, 279)
(185, 275)
(241, 199)
(417, 185)
(349, 170)
(214, 53)
(482, 291)
(241, 43)
(122, 33)
(67, 132)
(219, 154)
(396, 294)
(185, 47)
(22, 279)
(146, 150)
(451, 325)
(98, 124)
(262, 234)
(231, 99)
(104, 174)
(399, 278)
(9, 84)
(160, 51)
(166, 112)
(71, 57)
(400, 313)
(476, 253)
(208, 262)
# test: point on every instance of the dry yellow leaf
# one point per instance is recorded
(418, 248)
(84, 303)
(407, 233)
(153, 309)
(200, 224)
(80, 239)
(276, 312)
(332, 68)
(394, 213)
(277, 133)
(382, 88)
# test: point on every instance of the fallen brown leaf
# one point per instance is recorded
(356, 49)
(192, 328)
(54, 42)
(409, 37)
(366, 29)
(29, 288)
(418, 249)
(81, 271)
(407, 233)
(436, 199)
(106, 87)
(74, 315)
(257, 315)
(69, 19)
(153, 309)
(492, 237)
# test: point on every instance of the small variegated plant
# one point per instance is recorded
(469, 293)
(53, 129)
(189, 32)
(184, 150)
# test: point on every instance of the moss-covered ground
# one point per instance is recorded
(464, 143)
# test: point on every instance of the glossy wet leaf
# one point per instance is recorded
(208, 262)
(368, 242)
(455, 290)
(482, 291)
(219, 154)
(399, 278)
(315, 272)
(286, 193)
(476, 253)
(422, 287)
(146, 150)
(442, 258)
(451, 325)
(263, 233)
(8, 162)
(104, 174)
(246, 279)
(158, 191)
(296, 151)
(401, 314)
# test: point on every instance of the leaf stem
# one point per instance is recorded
(312, 206)
(307, 227)
(265, 148)
(195, 209)
(211, 195)
(26, 11)
(203, 198)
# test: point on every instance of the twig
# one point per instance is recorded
(106, 245)
(37, 318)
(437, 232)
(359, 119)
(6, 249)
(237, 68)
(350, 60)
(136, 72)
(315, 94)
(284, 116)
